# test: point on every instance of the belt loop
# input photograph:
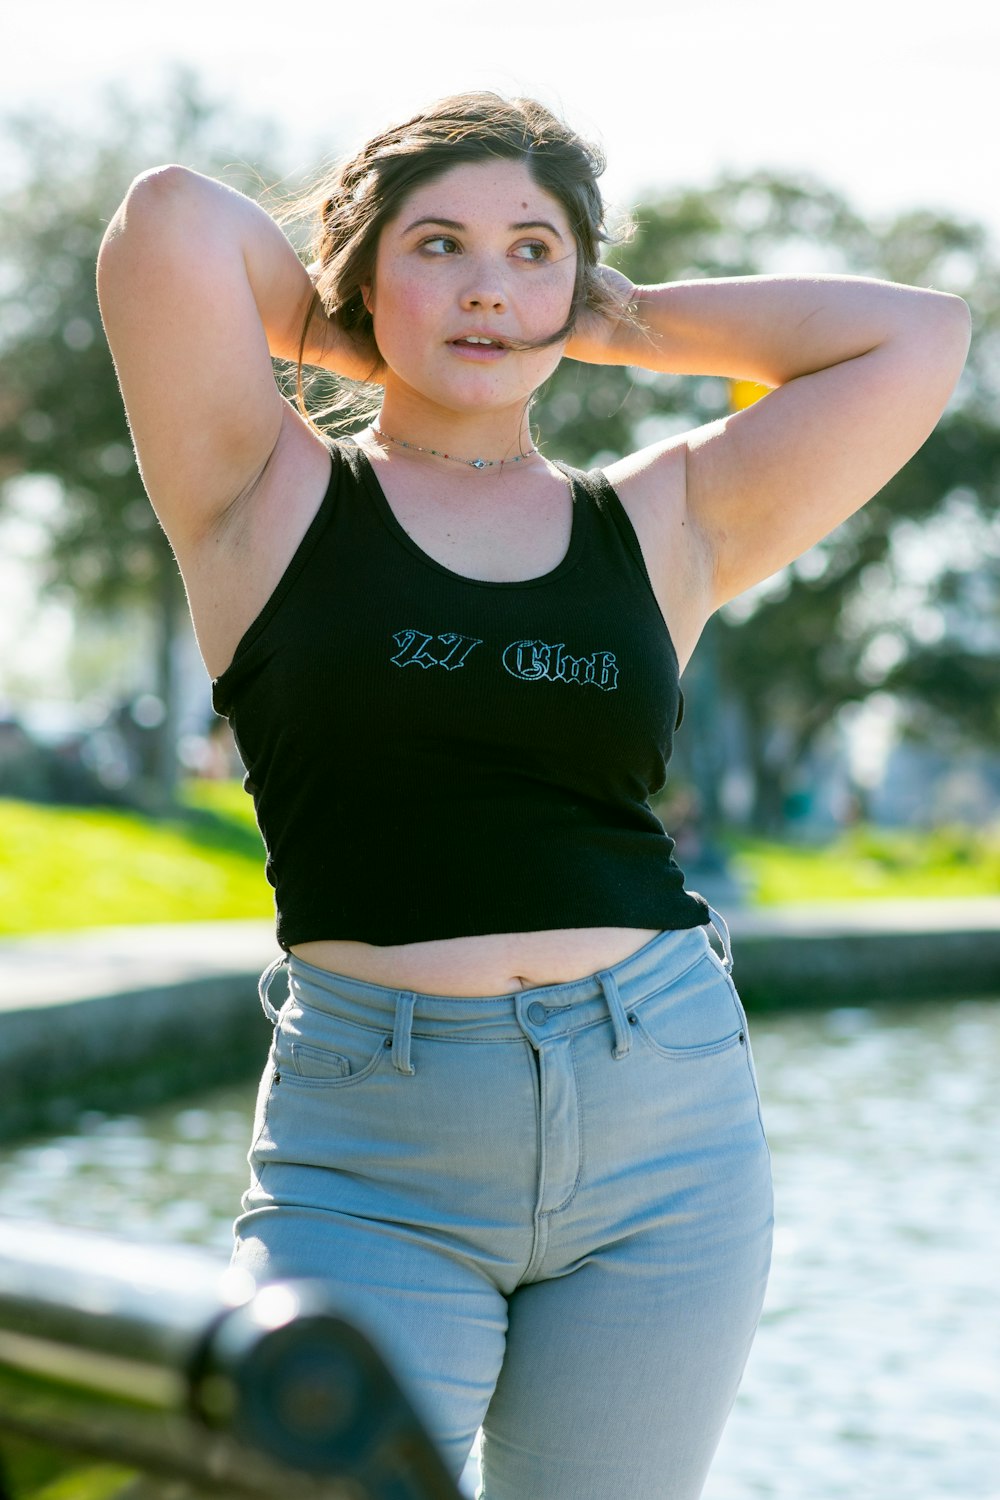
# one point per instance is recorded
(401, 1027)
(619, 1021)
(265, 984)
(722, 931)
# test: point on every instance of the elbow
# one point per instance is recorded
(957, 335)
(159, 184)
(952, 321)
(963, 318)
(150, 196)
(937, 337)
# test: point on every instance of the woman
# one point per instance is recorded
(509, 1115)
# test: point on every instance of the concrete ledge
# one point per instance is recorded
(51, 968)
(866, 954)
(123, 1018)
(126, 1051)
(865, 968)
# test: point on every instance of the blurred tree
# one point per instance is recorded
(949, 687)
(792, 652)
(61, 414)
(788, 655)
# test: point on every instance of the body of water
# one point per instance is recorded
(876, 1371)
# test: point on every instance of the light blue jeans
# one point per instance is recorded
(550, 1210)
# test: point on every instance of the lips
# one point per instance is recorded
(477, 341)
(478, 348)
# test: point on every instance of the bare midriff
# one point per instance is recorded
(492, 964)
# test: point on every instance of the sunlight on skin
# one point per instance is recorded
(484, 251)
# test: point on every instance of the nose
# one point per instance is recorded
(484, 288)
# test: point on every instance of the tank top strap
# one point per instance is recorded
(607, 507)
(346, 452)
(603, 504)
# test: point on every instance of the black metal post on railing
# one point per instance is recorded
(174, 1368)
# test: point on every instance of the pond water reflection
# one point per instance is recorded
(876, 1372)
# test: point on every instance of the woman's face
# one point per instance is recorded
(479, 254)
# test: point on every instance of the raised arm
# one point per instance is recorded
(862, 370)
(198, 289)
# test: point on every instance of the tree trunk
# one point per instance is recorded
(767, 811)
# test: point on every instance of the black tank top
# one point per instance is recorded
(433, 756)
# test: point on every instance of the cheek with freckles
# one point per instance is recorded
(406, 322)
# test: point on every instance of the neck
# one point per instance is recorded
(492, 436)
(442, 455)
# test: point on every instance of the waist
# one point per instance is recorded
(559, 1008)
(488, 964)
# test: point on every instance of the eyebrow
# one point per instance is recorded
(453, 224)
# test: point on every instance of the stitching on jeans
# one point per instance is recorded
(493, 1041)
(688, 1054)
(701, 1049)
(291, 1079)
(546, 1212)
(674, 979)
(741, 1011)
(719, 962)
(335, 1015)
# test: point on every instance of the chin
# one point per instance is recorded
(470, 389)
(464, 397)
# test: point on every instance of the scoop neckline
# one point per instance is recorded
(569, 559)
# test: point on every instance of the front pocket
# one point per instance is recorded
(312, 1067)
(316, 1062)
(688, 1054)
(695, 1016)
(315, 1049)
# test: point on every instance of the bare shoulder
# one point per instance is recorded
(652, 486)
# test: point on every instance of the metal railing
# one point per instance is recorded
(192, 1377)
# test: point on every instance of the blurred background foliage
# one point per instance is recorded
(859, 613)
(61, 415)
(901, 602)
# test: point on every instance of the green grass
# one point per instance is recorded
(871, 863)
(66, 868)
(88, 867)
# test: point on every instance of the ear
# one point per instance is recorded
(367, 290)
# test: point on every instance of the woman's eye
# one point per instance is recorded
(534, 250)
(440, 244)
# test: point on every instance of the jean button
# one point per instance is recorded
(537, 1014)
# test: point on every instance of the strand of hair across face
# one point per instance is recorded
(470, 463)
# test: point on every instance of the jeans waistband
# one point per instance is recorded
(542, 1011)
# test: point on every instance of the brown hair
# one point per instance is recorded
(351, 205)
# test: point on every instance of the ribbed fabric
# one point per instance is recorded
(434, 756)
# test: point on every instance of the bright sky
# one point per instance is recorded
(893, 103)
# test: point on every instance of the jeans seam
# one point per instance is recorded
(558, 1207)
(741, 1011)
(689, 1054)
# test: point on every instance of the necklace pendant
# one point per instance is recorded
(472, 463)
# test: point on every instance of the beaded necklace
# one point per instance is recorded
(470, 463)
